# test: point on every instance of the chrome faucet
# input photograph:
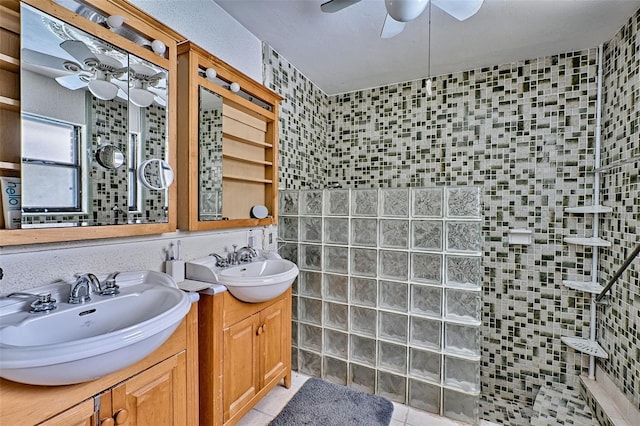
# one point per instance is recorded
(83, 287)
(221, 262)
(110, 287)
(44, 302)
(245, 254)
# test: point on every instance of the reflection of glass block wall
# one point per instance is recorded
(388, 296)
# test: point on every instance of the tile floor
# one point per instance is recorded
(275, 401)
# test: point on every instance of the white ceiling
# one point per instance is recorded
(343, 52)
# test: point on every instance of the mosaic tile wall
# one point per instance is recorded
(388, 296)
(303, 124)
(524, 134)
(210, 169)
(619, 329)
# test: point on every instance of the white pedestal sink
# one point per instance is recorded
(253, 282)
(80, 342)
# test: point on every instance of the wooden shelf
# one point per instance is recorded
(6, 165)
(246, 160)
(248, 142)
(246, 179)
(9, 19)
(9, 63)
(10, 104)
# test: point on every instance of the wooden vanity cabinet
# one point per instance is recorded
(249, 143)
(160, 390)
(245, 351)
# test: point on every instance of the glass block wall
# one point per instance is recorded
(388, 296)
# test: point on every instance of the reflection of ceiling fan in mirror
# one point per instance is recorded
(105, 77)
(401, 11)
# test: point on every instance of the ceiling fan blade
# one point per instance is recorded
(391, 27)
(459, 9)
(335, 5)
(42, 59)
(81, 52)
(71, 82)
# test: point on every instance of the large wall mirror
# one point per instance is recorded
(93, 114)
(209, 154)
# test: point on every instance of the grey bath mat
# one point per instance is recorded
(320, 403)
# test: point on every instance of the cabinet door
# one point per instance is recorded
(240, 365)
(155, 397)
(79, 415)
(274, 340)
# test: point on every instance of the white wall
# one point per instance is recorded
(210, 27)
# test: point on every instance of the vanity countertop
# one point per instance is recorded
(201, 286)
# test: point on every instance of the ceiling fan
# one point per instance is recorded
(401, 11)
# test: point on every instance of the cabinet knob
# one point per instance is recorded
(259, 330)
(121, 416)
(264, 327)
(107, 422)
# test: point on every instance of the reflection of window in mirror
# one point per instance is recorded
(133, 153)
(51, 165)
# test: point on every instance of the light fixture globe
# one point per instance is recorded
(102, 89)
(158, 47)
(115, 21)
(405, 10)
(211, 74)
(140, 97)
(234, 87)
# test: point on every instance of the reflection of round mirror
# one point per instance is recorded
(155, 174)
(109, 156)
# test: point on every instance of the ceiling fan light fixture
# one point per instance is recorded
(405, 10)
(102, 89)
(140, 97)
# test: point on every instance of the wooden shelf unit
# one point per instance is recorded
(249, 143)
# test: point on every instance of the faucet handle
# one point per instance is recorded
(43, 303)
(110, 287)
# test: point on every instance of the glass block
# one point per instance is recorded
(336, 343)
(463, 202)
(294, 359)
(294, 307)
(392, 326)
(310, 283)
(294, 333)
(364, 291)
(364, 232)
(363, 321)
(394, 264)
(424, 364)
(310, 337)
(309, 363)
(310, 257)
(464, 271)
(425, 333)
(336, 287)
(337, 202)
(426, 300)
(392, 357)
(460, 406)
(288, 228)
(426, 202)
(336, 259)
(294, 285)
(394, 233)
(462, 374)
(462, 339)
(336, 315)
(362, 378)
(335, 371)
(364, 202)
(311, 202)
(336, 230)
(462, 305)
(394, 295)
(392, 387)
(394, 202)
(426, 234)
(289, 251)
(464, 236)
(311, 229)
(310, 310)
(363, 350)
(288, 202)
(426, 268)
(364, 262)
(424, 396)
